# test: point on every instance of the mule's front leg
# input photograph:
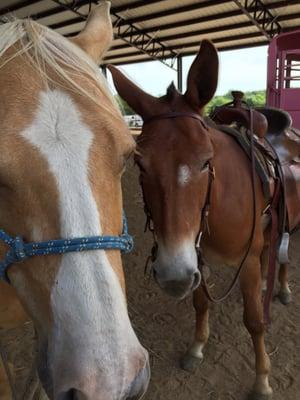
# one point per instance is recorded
(285, 294)
(194, 355)
(5, 392)
(253, 319)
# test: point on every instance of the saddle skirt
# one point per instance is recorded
(287, 147)
(277, 150)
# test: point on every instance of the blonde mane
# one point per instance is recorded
(48, 50)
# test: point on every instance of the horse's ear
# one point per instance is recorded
(97, 35)
(203, 76)
(141, 102)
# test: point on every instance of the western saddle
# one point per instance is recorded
(277, 152)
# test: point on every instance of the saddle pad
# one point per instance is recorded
(264, 158)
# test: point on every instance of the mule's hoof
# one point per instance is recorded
(259, 396)
(190, 363)
(285, 297)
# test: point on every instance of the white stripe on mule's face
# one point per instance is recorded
(184, 175)
(92, 331)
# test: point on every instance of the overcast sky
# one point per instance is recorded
(239, 69)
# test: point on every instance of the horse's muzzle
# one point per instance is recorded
(135, 391)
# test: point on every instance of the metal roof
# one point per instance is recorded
(167, 29)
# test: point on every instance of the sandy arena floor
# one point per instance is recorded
(166, 326)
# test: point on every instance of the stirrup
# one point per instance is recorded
(283, 248)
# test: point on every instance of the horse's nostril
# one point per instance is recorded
(140, 384)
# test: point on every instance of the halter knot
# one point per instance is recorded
(17, 252)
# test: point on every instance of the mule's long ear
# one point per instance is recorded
(97, 35)
(141, 102)
(203, 76)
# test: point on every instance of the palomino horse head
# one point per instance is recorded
(173, 155)
(63, 148)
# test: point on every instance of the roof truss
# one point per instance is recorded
(260, 16)
(128, 32)
(155, 27)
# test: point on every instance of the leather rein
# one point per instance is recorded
(204, 227)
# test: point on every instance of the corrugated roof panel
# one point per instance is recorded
(121, 2)
(164, 27)
(126, 50)
(161, 32)
(241, 42)
(291, 24)
(29, 10)
(71, 28)
(212, 36)
(8, 3)
(201, 13)
(286, 10)
(182, 41)
(57, 18)
(64, 16)
(157, 7)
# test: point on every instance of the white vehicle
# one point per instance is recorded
(133, 120)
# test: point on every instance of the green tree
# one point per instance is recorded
(255, 98)
(124, 107)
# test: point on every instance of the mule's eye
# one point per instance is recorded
(139, 162)
(205, 165)
(140, 165)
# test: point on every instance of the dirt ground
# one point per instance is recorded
(165, 327)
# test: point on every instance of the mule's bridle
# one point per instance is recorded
(204, 227)
(175, 114)
(20, 250)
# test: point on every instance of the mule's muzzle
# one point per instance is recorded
(179, 288)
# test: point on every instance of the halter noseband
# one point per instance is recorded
(20, 251)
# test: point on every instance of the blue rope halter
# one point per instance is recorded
(20, 251)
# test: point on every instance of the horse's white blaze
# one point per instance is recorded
(92, 331)
(184, 175)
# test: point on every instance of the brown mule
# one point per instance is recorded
(177, 153)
